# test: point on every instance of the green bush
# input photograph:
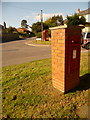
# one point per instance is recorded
(75, 20)
(32, 34)
(49, 33)
(10, 30)
(22, 35)
(39, 35)
(26, 34)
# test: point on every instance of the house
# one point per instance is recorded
(22, 30)
(86, 14)
(1, 27)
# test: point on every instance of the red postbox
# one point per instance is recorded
(74, 43)
(66, 46)
(45, 35)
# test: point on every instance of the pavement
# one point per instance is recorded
(29, 42)
(22, 51)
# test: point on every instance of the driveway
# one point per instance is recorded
(18, 52)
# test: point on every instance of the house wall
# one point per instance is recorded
(86, 29)
(87, 18)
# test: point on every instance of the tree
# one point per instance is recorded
(11, 30)
(55, 21)
(51, 22)
(4, 25)
(24, 24)
(36, 27)
(59, 20)
(75, 20)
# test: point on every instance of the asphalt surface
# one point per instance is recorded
(17, 52)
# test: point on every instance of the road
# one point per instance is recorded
(17, 52)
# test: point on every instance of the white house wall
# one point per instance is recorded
(86, 29)
(87, 18)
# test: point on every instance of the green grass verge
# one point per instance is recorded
(27, 92)
(41, 42)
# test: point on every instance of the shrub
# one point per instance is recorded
(26, 34)
(11, 30)
(75, 20)
(22, 35)
(39, 35)
(32, 34)
(49, 33)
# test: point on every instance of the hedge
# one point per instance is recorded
(6, 37)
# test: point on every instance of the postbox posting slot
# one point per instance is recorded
(74, 39)
(75, 42)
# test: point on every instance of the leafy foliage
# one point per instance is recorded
(49, 33)
(10, 30)
(75, 20)
(54, 21)
(39, 34)
(36, 27)
(24, 24)
(26, 34)
(51, 22)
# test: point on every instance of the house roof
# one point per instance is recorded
(84, 12)
(23, 29)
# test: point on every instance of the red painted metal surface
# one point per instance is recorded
(45, 35)
(74, 53)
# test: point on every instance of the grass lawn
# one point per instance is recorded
(41, 42)
(27, 92)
